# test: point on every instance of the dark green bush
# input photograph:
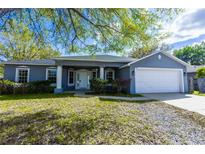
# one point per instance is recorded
(115, 86)
(20, 88)
(6, 86)
(40, 87)
(9, 87)
(98, 85)
(200, 73)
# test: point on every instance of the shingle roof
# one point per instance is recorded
(33, 62)
(105, 58)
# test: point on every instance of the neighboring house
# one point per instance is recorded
(159, 72)
(191, 72)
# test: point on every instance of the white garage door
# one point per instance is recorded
(157, 80)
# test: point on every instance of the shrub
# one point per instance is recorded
(40, 87)
(119, 86)
(6, 86)
(20, 88)
(98, 85)
(9, 87)
(114, 86)
(200, 73)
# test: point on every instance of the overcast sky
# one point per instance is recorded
(187, 29)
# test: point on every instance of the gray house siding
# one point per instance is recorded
(154, 62)
(9, 72)
(37, 73)
(124, 74)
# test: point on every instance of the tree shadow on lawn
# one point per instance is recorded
(34, 96)
(45, 127)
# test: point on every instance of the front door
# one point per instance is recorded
(82, 80)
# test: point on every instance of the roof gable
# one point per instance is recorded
(163, 52)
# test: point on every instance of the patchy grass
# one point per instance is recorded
(198, 93)
(65, 119)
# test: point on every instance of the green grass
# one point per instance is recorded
(198, 93)
(65, 119)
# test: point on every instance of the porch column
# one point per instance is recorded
(59, 80)
(102, 73)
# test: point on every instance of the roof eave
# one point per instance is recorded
(163, 52)
(27, 64)
(113, 61)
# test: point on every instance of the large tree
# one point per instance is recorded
(19, 44)
(194, 55)
(93, 30)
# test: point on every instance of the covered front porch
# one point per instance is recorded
(71, 78)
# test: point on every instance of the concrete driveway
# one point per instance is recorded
(185, 101)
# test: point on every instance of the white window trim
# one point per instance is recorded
(17, 73)
(71, 84)
(110, 70)
(47, 69)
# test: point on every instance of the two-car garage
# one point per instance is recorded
(160, 72)
(158, 80)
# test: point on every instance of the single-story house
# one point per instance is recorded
(159, 72)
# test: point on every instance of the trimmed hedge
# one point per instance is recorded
(9, 87)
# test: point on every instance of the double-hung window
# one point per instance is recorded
(51, 75)
(109, 75)
(22, 75)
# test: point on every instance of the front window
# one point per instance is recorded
(109, 75)
(51, 75)
(22, 75)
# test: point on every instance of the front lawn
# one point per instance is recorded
(65, 119)
(198, 93)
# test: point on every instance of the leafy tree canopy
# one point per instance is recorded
(19, 44)
(200, 73)
(88, 30)
(194, 55)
